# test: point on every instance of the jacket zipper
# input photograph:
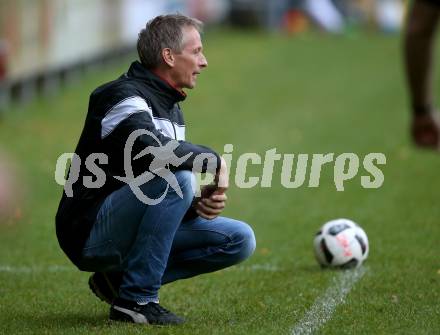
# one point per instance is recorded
(174, 128)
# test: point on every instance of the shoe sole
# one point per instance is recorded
(121, 314)
(96, 291)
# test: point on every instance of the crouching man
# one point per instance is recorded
(135, 246)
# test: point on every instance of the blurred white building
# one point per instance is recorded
(45, 35)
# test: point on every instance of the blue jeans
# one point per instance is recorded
(151, 244)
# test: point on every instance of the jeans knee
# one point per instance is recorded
(245, 238)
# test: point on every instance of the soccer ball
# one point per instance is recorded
(341, 243)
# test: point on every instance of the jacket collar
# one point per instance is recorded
(162, 87)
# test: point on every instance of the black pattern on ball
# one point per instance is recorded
(362, 243)
(336, 229)
(328, 255)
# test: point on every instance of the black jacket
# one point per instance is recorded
(137, 100)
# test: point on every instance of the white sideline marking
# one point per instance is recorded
(34, 269)
(324, 306)
(257, 267)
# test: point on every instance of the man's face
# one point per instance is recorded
(190, 62)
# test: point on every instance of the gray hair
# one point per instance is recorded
(164, 31)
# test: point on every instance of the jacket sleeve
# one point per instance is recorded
(137, 131)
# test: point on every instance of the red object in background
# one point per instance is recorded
(294, 21)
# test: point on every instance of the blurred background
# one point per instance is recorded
(46, 45)
(45, 42)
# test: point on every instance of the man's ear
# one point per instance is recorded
(168, 57)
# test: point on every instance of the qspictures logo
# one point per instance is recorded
(297, 170)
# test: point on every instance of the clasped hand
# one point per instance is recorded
(213, 197)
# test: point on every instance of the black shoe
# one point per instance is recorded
(151, 313)
(105, 285)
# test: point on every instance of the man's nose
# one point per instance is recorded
(203, 61)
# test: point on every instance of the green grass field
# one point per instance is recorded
(309, 94)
